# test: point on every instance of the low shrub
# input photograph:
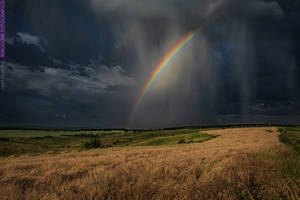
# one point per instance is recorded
(93, 143)
(4, 139)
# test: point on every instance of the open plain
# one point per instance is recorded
(241, 163)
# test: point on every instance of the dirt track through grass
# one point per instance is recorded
(222, 168)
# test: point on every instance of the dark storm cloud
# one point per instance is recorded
(53, 81)
(242, 67)
(62, 95)
(67, 26)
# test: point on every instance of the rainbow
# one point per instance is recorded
(164, 62)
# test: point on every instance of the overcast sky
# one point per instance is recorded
(83, 63)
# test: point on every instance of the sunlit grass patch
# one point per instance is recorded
(177, 139)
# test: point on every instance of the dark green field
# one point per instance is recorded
(16, 142)
(291, 136)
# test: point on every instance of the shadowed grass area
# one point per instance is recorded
(291, 136)
(43, 133)
(289, 162)
(18, 146)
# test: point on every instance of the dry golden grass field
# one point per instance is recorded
(242, 163)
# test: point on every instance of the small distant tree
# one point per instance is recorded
(93, 143)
